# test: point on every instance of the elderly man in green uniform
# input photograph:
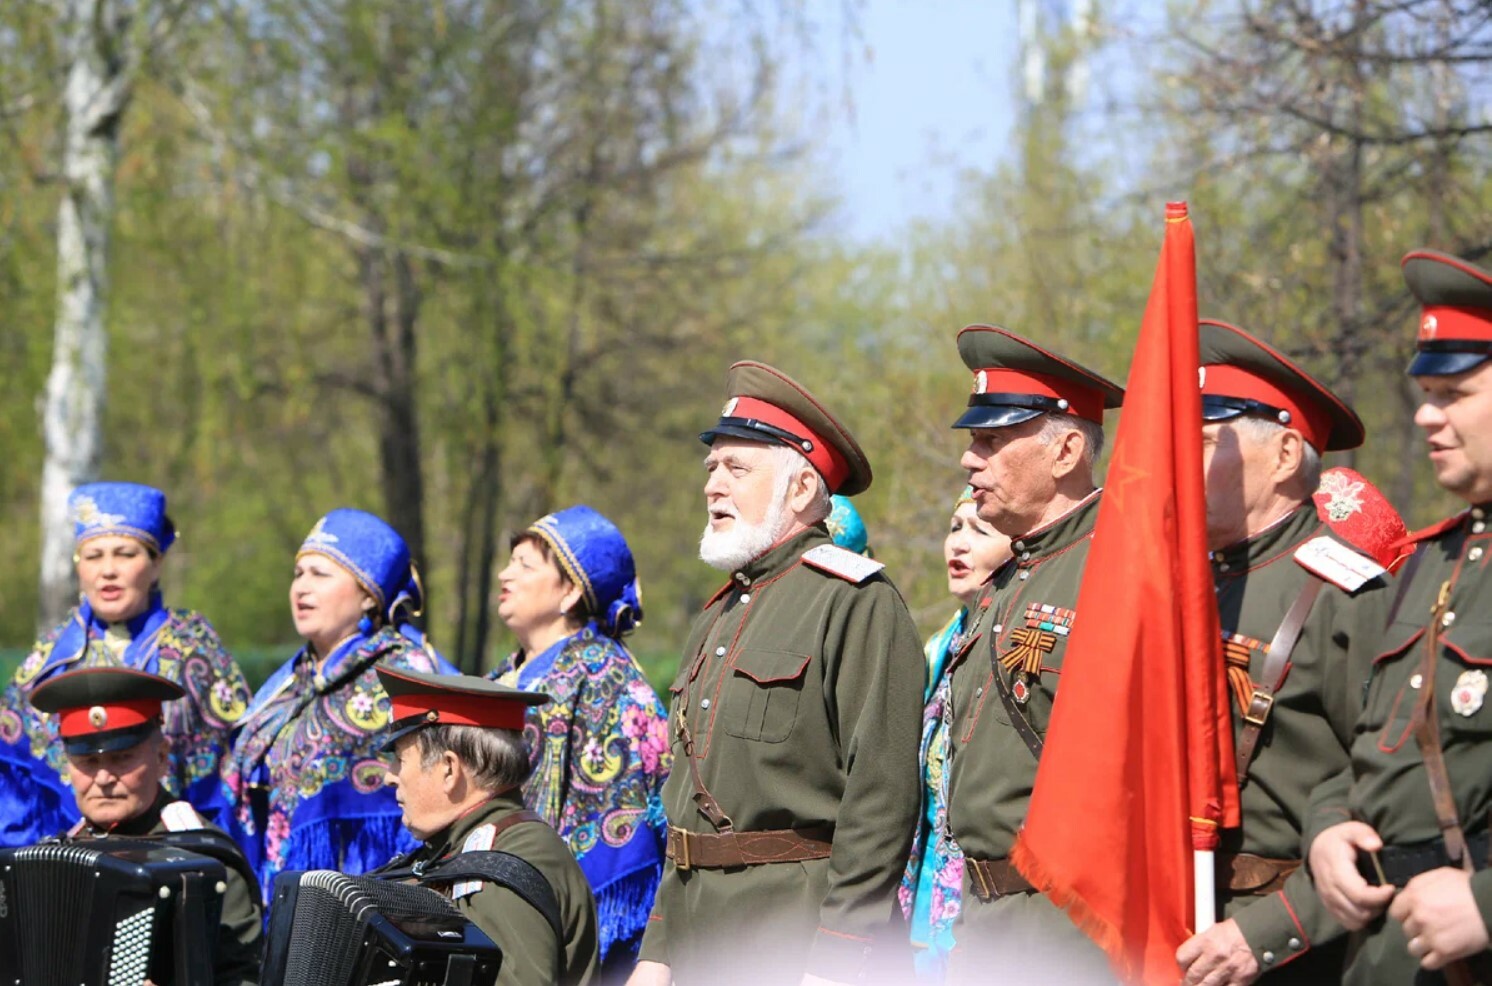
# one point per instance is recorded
(1036, 427)
(1400, 848)
(795, 719)
(110, 723)
(1289, 588)
(459, 763)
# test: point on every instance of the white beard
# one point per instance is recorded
(744, 543)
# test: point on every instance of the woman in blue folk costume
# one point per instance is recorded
(122, 534)
(932, 887)
(305, 776)
(600, 748)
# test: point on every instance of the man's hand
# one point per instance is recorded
(1217, 957)
(1349, 898)
(1440, 917)
(650, 974)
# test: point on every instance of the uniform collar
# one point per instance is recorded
(1073, 526)
(1276, 539)
(448, 841)
(779, 558)
(142, 824)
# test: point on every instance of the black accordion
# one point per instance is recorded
(108, 912)
(328, 929)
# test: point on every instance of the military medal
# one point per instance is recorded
(1469, 690)
(1021, 691)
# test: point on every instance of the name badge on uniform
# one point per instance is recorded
(1469, 691)
(480, 840)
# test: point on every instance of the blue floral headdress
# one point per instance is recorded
(375, 555)
(592, 553)
(129, 509)
(846, 527)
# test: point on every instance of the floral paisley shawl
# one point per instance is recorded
(600, 753)
(36, 796)
(931, 892)
(305, 777)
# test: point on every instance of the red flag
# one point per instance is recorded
(1137, 770)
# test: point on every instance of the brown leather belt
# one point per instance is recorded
(992, 878)
(712, 851)
(1258, 876)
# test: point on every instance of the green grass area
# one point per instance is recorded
(259, 663)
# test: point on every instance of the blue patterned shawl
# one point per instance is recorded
(600, 753)
(36, 797)
(305, 776)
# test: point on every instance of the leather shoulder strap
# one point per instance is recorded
(1272, 675)
(218, 846)
(505, 870)
(1023, 727)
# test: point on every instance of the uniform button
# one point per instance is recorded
(1268, 958)
(1447, 619)
(1019, 546)
(1474, 553)
(997, 628)
(1294, 944)
(719, 651)
(1477, 513)
(1025, 574)
(1478, 527)
(745, 597)
(704, 703)
(1222, 566)
(743, 578)
(1416, 679)
(1025, 556)
(979, 691)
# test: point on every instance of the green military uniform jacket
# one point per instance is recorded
(237, 958)
(1387, 786)
(803, 693)
(531, 956)
(1305, 739)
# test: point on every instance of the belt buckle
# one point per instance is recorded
(1259, 705)
(681, 859)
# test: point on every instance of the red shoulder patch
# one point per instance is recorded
(1359, 514)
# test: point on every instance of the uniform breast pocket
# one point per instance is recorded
(762, 695)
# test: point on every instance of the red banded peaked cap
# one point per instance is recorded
(1015, 380)
(101, 709)
(419, 699)
(763, 404)
(1455, 324)
(1242, 367)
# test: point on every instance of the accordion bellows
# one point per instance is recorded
(110, 912)
(327, 929)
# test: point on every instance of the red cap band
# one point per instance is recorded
(1085, 402)
(106, 717)
(1445, 324)
(450, 709)
(825, 457)
(1225, 380)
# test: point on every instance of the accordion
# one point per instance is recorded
(327, 929)
(108, 912)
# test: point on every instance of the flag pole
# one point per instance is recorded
(1204, 887)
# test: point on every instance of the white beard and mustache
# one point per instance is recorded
(744, 543)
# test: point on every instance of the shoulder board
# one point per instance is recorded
(79, 827)
(180, 816)
(1434, 530)
(480, 840)
(842, 562)
(1330, 559)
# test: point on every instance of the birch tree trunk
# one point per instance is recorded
(94, 37)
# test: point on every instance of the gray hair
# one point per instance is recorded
(1260, 430)
(787, 461)
(496, 758)
(1053, 425)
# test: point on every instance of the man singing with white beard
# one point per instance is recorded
(794, 721)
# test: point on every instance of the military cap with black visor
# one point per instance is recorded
(1015, 380)
(1455, 327)
(421, 700)
(1242, 375)
(766, 405)
(102, 710)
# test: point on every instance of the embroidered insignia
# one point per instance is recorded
(1020, 691)
(180, 816)
(729, 409)
(319, 534)
(1470, 689)
(480, 840)
(86, 512)
(1428, 326)
(842, 562)
(1201, 377)
(1343, 496)
(98, 717)
(1028, 644)
(981, 382)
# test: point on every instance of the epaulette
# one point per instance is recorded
(842, 562)
(1360, 515)
(1338, 564)
(180, 816)
(479, 840)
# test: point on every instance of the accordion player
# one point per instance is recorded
(135, 856)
